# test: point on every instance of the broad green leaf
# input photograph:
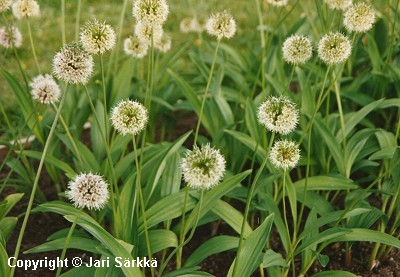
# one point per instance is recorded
(7, 226)
(52, 160)
(325, 183)
(8, 203)
(159, 240)
(271, 258)
(249, 142)
(213, 246)
(80, 271)
(84, 244)
(250, 255)
(232, 217)
(334, 273)
(4, 268)
(333, 145)
(361, 234)
(108, 241)
(212, 196)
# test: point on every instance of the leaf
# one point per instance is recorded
(250, 255)
(213, 246)
(80, 271)
(52, 160)
(211, 197)
(271, 258)
(249, 142)
(232, 217)
(325, 183)
(7, 225)
(332, 143)
(361, 234)
(8, 203)
(108, 241)
(84, 244)
(334, 273)
(159, 240)
(4, 268)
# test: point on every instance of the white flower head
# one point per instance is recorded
(338, 4)
(146, 32)
(97, 37)
(278, 3)
(297, 49)
(163, 44)
(45, 90)
(284, 154)
(191, 24)
(278, 114)
(221, 25)
(5, 5)
(129, 117)
(135, 47)
(10, 37)
(25, 8)
(203, 168)
(153, 12)
(88, 190)
(359, 18)
(73, 64)
(334, 48)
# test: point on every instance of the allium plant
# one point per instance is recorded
(338, 4)
(334, 48)
(5, 5)
(97, 37)
(135, 47)
(297, 49)
(277, 3)
(129, 117)
(222, 25)
(45, 90)
(10, 37)
(25, 8)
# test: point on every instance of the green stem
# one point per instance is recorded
(182, 231)
(36, 183)
(104, 98)
(114, 187)
(341, 116)
(33, 46)
(77, 19)
(63, 37)
(187, 240)
(248, 202)
(206, 92)
(139, 191)
(67, 240)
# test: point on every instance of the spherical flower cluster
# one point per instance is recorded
(163, 44)
(154, 12)
(10, 37)
(221, 25)
(191, 24)
(203, 167)
(297, 49)
(135, 47)
(359, 18)
(4, 5)
(73, 64)
(25, 8)
(88, 190)
(97, 37)
(45, 89)
(284, 154)
(129, 117)
(338, 4)
(146, 32)
(334, 48)
(278, 3)
(278, 114)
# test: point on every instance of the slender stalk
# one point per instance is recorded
(113, 188)
(182, 231)
(33, 46)
(36, 183)
(63, 37)
(341, 116)
(205, 92)
(187, 240)
(67, 240)
(104, 98)
(139, 191)
(248, 202)
(77, 19)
